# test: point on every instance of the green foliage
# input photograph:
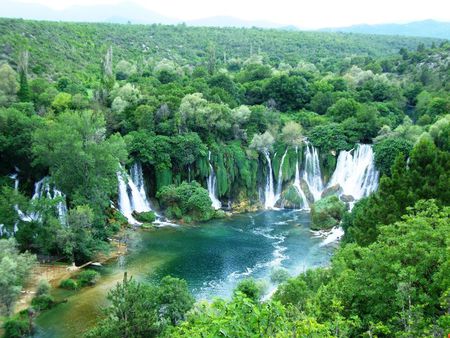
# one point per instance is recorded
(87, 278)
(279, 275)
(16, 327)
(43, 288)
(15, 269)
(68, 284)
(143, 310)
(327, 212)
(187, 199)
(42, 302)
(146, 217)
(424, 177)
(249, 288)
(387, 150)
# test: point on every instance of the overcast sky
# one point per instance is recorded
(302, 13)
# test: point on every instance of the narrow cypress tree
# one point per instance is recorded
(24, 91)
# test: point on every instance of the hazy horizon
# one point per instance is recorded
(301, 14)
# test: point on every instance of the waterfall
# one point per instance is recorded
(280, 177)
(42, 187)
(356, 173)
(269, 195)
(298, 186)
(212, 185)
(139, 201)
(312, 174)
(132, 196)
(124, 199)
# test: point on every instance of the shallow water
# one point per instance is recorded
(212, 257)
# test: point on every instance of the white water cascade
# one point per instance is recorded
(311, 173)
(212, 185)
(43, 188)
(356, 173)
(280, 177)
(132, 195)
(269, 195)
(298, 186)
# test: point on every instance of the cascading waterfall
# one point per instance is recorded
(212, 185)
(132, 196)
(269, 195)
(41, 188)
(280, 177)
(311, 173)
(298, 186)
(356, 173)
(139, 201)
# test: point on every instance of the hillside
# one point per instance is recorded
(79, 46)
(425, 28)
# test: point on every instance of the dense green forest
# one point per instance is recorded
(81, 102)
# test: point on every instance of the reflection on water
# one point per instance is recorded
(212, 257)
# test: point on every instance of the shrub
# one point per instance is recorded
(327, 212)
(42, 302)
(87, 277)
(68, 284)
(279, 275)
(145, 217)
(43, 288)
(15, 328)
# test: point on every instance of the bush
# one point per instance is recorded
(250, 288)
(16, 328)
(43, 288)
(145, 217)
(279, 275)
(327, 213)
(68, 284)
(42, 302)
(87, 277)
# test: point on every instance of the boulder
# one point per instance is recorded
(347, 198)
(334, 190)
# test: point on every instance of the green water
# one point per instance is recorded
(211, 257)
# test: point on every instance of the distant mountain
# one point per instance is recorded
(229, 21)
(118, 13)
(426, 28)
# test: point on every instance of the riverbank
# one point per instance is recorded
(55, 273)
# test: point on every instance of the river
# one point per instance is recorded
(212, 257)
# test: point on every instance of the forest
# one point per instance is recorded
(212, 122)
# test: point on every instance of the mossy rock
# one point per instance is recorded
(347, 198)
(220, 214)
(327, 213)
(290, 199)
(306, 191)
(145, 217)
(147, 226)
(334, 190)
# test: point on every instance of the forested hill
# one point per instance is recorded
(79, 47)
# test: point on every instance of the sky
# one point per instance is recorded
(302, 13)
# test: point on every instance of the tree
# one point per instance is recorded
(387, 150)
(343, 109)
(144, 310)
(82, 161)
(124, 70)
(8, 84)
(62, 102)
(24, 92)
(291, 134)
(14, 270)
(262, 142)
